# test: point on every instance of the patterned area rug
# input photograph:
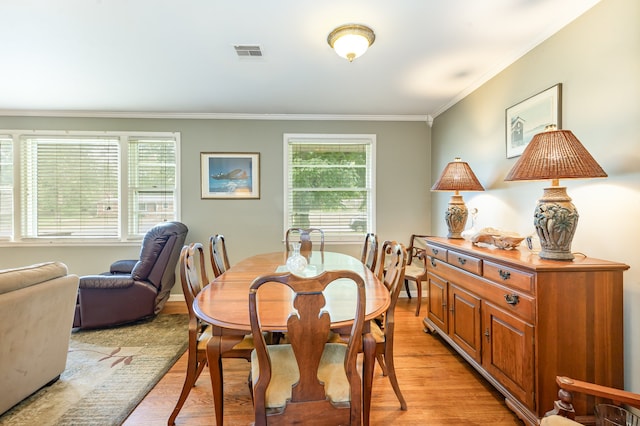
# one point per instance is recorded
(108, 373)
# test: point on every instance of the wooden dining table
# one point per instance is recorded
(224, 304)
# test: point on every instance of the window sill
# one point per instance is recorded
(52, 243)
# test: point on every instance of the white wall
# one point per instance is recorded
(597, 60)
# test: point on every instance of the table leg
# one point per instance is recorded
(214, 359)
(369, 349)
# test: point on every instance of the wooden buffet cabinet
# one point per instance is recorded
(520, 320)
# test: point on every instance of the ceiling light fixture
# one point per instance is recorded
(351, 41)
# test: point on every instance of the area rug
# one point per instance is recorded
(108, 373)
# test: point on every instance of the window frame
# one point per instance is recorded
(124, 237)
(333, 139)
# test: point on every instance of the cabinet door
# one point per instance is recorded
(437, 301)
(464, 321)
(508, 352)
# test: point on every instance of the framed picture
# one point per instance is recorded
(529, 117)
(230, 175)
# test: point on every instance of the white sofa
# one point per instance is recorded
(37, 304)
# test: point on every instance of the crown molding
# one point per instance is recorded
(214, 116)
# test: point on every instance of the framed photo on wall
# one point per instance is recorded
(530, 117)
(230, 175)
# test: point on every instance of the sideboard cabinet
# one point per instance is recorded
(520, 320)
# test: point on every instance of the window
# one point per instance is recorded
(6, 187)
(73, 186)
(329, 184)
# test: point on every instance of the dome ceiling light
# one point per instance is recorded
(351, 41)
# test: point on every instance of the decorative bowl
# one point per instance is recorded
(500, 239)
(506, 242)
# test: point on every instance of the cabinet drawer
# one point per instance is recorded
(436, 251)
(508, 276)
(513, 302)
(466, 262)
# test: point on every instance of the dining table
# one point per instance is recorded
(224, 304)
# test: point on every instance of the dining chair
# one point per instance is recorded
(193, 277)
(305, 237)
(610, 399)
(416, 270)
(370, 251)
(391, 270)
(218, 254)
(309, 378)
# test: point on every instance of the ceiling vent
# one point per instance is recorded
(248, 51)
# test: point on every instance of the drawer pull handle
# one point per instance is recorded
(462, 261)
(435, 251)
(512, 299)
(505, 275)
(433, 262)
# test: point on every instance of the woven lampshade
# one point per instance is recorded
(555, 154)
(457, 176)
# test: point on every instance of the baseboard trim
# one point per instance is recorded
(175, 305)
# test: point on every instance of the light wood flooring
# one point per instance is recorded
(439, 386)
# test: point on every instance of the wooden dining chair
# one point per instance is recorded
(305, 238)
(309, 378)
(416, 270)
(564, 414)
(218, 254)
(391, 270)
(370, 251)
(193, 277)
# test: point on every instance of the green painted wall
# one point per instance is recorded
(597, 60)
(252, 226)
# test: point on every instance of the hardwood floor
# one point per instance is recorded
(439, 386)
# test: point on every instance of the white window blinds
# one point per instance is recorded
(80, 187)
(70, 187)
(152, 183)
(329, 184)
(6, 187)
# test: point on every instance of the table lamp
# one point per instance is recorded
(457, 176)
(555, 154)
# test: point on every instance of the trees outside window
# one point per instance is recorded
(329, 184)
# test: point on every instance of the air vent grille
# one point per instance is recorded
(245, 51)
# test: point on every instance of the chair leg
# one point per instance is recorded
(419, 287)
(194, 369)
(382, 364)
(406, 288)
(388, 360)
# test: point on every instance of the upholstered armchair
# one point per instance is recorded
(132, 289)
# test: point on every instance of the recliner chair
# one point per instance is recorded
(132, 289)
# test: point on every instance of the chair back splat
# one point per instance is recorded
(306, 237)
(218, 253)
(370, 251)
(309, 378)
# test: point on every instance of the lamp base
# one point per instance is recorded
(456, 217)
(555, 220)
